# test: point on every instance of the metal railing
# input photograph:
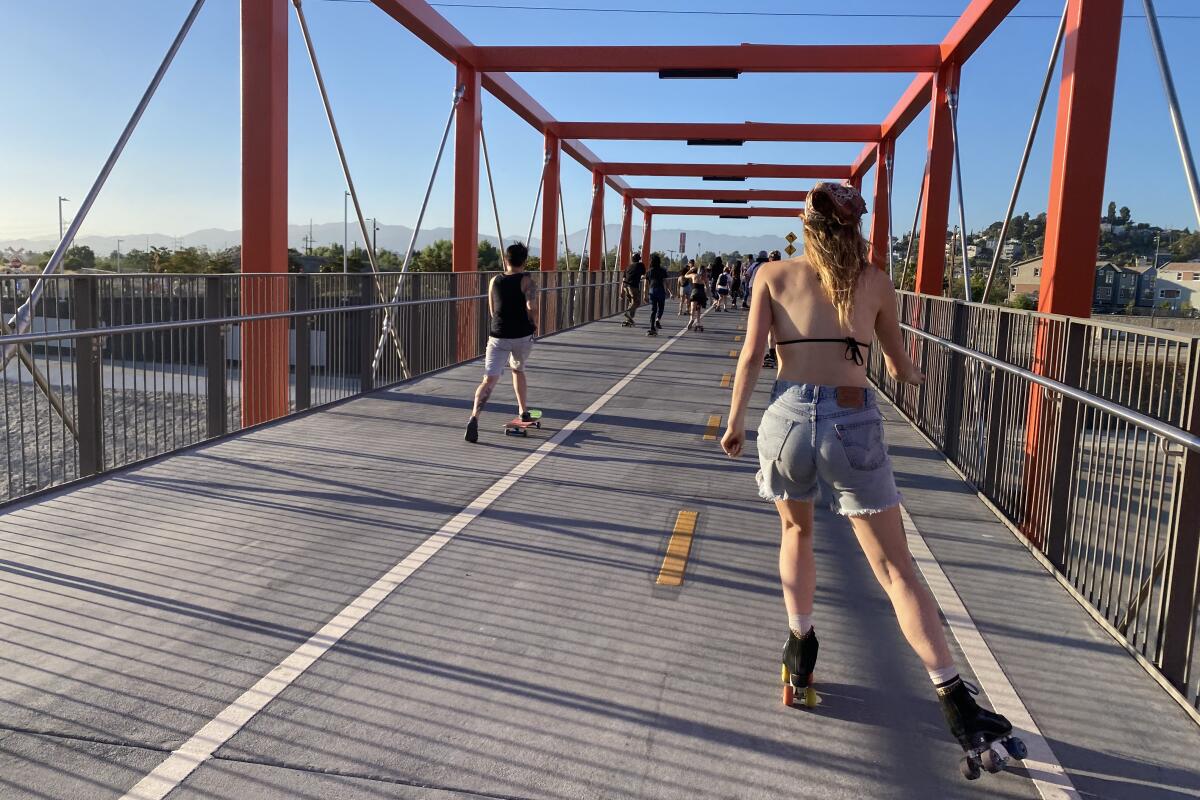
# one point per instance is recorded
(119, 368)
(1086, 437)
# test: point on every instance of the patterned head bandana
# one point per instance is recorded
(847, 205)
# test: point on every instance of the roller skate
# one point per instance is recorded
(653, 331)
(769, 361)
(799, 660)
(627, 323)
(976, 730)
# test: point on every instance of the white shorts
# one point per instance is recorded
(517, 351)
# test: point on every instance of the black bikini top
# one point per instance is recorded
(853, 347)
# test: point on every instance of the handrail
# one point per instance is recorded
(1168, 432)
(150, 327)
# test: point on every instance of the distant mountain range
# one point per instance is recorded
(396, 237)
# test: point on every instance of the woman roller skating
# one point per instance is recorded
(823, 424)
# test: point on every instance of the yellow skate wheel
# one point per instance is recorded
(784, 675)
(789, 695)
(811, 700)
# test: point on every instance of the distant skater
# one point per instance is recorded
(686, 276)
(512, 301)
(657, 289)
(699, 304)
(824, 425)
(633, 287)
(724, 287)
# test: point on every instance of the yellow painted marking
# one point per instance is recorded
(741, 327)
(714, 424)
(726, 380)
(733, 353)
(678, 548)
(737, 338)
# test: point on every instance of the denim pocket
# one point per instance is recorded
(773, 432)
(863, 444)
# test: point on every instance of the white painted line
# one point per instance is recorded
(1048, 776)
(194, 752)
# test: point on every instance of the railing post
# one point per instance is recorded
(1183, 564)
(1064, 454)
(543, 299)
(89, 386)
(304, 343)
(996, 421)
(922, 322)
(413, 342)
(366, 333)
(954, 393)
(214, 357)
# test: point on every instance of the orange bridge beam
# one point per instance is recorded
(727, 195)
(717, 211)
(716, 131)
(813, 171)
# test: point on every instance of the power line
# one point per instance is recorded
(700, 13)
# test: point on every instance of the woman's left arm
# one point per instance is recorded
(749, 367)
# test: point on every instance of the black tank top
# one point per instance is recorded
(511, 320)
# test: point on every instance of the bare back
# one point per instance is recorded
(800, 309)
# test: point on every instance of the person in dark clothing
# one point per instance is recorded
(633, 287)
(512, 301)
(656, 287)
(714, 271)
(687, 276)
(699, 304)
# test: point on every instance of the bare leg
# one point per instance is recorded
(519, 388)
(482, 393)
(882, 539)
(797, 567)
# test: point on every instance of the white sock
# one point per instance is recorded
(943, 675)
(800, 623)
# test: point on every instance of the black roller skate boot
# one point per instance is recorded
(976, 729)
(799, 660)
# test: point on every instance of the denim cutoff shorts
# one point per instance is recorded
(806, 438)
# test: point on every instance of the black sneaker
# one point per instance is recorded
(472, 434)
(526, 416)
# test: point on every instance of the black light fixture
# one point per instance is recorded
(733, 216)
(742, 202)
(722, 178)
(728, 74)
(716, 142)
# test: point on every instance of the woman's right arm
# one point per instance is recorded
(887, 331)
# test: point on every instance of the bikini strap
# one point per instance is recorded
(853, 347)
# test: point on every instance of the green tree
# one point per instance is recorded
(1024, 301)
(1186, 247)
(186, 261)
(295, 265)
(79, 257)
(224, 262)
(137, 261)
(1125, 215)
(488, 257)
(1111, 216)
(533, 264)
(437, 257)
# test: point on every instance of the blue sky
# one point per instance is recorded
(76, 69)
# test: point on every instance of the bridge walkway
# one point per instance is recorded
(532, 655)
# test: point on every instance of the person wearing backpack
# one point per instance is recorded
(633, 287)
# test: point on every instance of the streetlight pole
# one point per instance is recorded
(375, 234)
(118, 255)
(346, 233)
(61, 232)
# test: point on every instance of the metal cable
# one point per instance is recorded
(1181, 137)
(1033, 129)
(537, 200)
(912, 236)
(487, 163)
(952, 102)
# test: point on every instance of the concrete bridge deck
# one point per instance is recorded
(284, 614)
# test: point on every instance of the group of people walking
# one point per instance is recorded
(821, 312)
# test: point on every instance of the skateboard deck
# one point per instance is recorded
(519, 427)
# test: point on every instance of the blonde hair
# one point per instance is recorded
(839, 254)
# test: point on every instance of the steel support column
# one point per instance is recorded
(625, 251)
(647, 229)
(550, 182)
(467, 122)
(264, 204)
(1085, 102)
(935, 209)
(1093, 35)
(596, 245)
(880, 222)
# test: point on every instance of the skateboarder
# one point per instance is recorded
(824, 426)
(656, 286)
(633, 287)
(512, 301)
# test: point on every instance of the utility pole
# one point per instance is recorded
(118, 255)
(375, 234)
(346, 233)
(61, 230)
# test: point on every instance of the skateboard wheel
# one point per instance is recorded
(1016, 748)
(810, 697)
(992, 761)
(969, 768)
(789, 695)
